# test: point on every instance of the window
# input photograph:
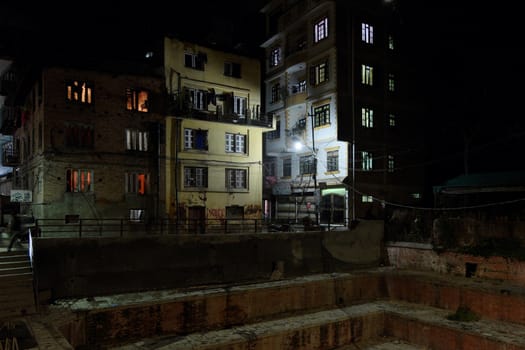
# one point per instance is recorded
(232, 69)
(195, 177)
(136, 183)
(390, 42)
(137, 140)
(198, 98)
(236, 178)
(307, 165)
(276, 93)
(332, 161)
(390, 163)
(196, 139)
(367, 33)
(416, 195)
(235, 212)
(299, 87)
(137, 215)
(239, 106)
(367, 199)
(319, 73)
(79, 136)
(391, 120)
(195, 61)
(269, 169)
(79, 180)
(321, 30)
(391, 82)
(322, 115)
(287, 167)
(367, 75)
(274, 134)
(275, 57)
(366, 161)
(235, 143)
(367, 117)
(79, 91)
(136, 100)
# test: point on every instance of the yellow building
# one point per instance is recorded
(214, 133)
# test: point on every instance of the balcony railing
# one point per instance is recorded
(179, 106)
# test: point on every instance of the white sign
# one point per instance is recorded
(21, 196)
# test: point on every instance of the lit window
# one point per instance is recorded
(322, 115)
(236, 178)
(136, 183)
(136, 100)
(367, 117)
(79, 180)
(195, 177)
(319, 73)
(321, 30)
(79, 91)
(416, 195)
(367, 33)
(390, 163)
(196, 139)
(198, 98)
(391, 120)
(390, 42)
(137, 215)
(366, 161)
(332, 161)
(391, 82)
(136, 140)
(367, 199)
(367, 75)
(275, 57)
(239, 106)
(235, 143)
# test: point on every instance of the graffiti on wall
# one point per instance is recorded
(216, 213)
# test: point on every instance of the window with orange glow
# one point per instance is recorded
(79, 91)
(136, 183)
(79, 180)
(137, 100)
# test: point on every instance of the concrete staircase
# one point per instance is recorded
(17, 296)
(379, 309)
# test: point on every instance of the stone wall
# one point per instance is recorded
(66, 267)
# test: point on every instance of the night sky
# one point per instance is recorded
(467, 55)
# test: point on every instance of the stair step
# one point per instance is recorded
(363, 325)
(320, 330)
(15, 270)
(14, 264)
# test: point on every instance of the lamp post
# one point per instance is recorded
(298, 146)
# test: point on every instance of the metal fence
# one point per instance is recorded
(118, 227)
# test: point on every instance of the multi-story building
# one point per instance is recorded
(86, 141)
(336, 84)
(214, 130)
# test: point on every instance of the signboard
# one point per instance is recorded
(282, 188)
(21, 196)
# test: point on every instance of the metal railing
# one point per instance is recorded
(118, 227)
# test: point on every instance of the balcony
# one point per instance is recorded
(180, 107)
